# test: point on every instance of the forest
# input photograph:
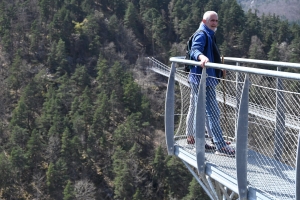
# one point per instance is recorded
(81, 117)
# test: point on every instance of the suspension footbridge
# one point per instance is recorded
(259, 117)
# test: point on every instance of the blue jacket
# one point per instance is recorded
(198, 44)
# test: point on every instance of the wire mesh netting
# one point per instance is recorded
(273, 128)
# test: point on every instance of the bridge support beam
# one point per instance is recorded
(242, 142)
(200, 125)
(169, 111)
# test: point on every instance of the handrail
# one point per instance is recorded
(260, 62)
(263, 72)
(273, 110)
(263, 62)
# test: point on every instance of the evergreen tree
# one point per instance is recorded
(19, 136)
(86, 107)
(103, 77)
(20, 116)
(132, 96)
(16, 76)
(56, 177)
(6, 172)
(159, 29)
(149, 18)
(45, 7)
(101, 116)
(159, 173)
(295, 50)
(69, 191)
(34, 39)
(177, 179)
(283, 32)
(34, 150)
(137, 195)
(51, 177)
(213, 5)
(127, 133)
(123, 187)
(273, 54)
(66, 146)
(61, 58)
(18, 158)
(131, 18)
(196, 191)
(80, 77)
(231, 20)
(148, 4)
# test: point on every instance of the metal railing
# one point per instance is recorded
(259, 115)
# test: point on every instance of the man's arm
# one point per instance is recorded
(198, 45)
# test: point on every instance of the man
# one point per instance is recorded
(204, 50)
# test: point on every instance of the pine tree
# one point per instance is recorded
(103, 77)
(16, 77)
(20, 116)
(34, 150)
(177, 178)
(61, 58)
(6, 172)
(19, 136)
(123, 180)
(18, 159)
(159, 33)
(273, 54)
(294, 48)
(137, 195)
(81, 77)
(101, 116)
(196, 191)
(56, 177)
(132, 96)
(69, 191)
(131, 17)
(50, 174)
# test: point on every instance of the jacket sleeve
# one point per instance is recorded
(198, 45)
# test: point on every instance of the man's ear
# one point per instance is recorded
(204, 21)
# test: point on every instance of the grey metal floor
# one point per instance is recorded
(273, 177)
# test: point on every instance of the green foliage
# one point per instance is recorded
(273, 54)
(177, 178)
(18, 159)
(123, 180)
(16, 76)
(295, 50)
(69, 191)
(56, 176)
(73, 113)
(34, 150)
(6, 172)
(196, 191)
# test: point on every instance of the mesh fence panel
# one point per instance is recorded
(273, 128)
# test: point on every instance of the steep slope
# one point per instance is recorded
(286, 9)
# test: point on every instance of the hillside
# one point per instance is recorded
(286, 9)
(81, 116)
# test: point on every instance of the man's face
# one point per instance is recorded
(212, 23)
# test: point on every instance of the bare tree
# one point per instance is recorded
(53, 148)
(84, 190)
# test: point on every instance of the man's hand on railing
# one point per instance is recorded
(203, 60)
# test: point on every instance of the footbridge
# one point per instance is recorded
(259, 117)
